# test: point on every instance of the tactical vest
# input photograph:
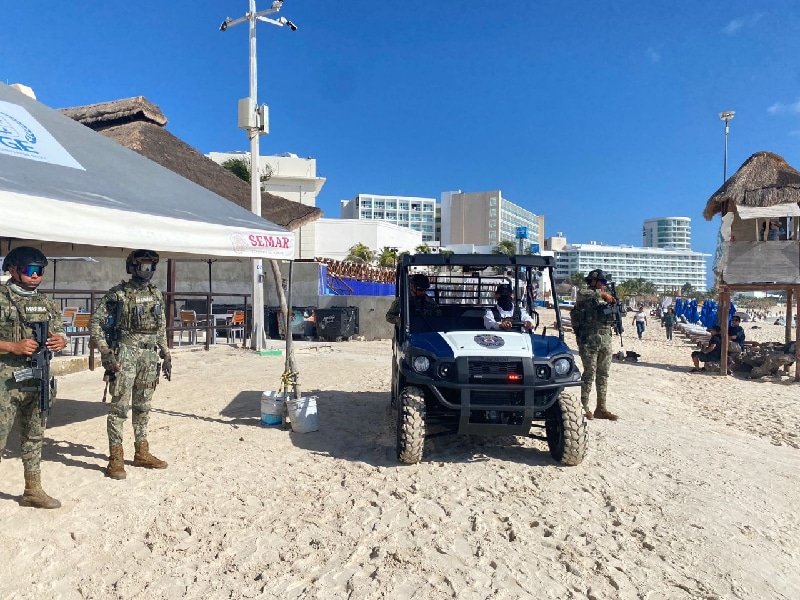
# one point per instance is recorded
(142, 309)
(35, 308)
(516, 316)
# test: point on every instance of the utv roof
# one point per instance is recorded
(480, 261)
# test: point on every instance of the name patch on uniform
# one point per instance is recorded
(35, 309)
(487, 340)
(143, 299)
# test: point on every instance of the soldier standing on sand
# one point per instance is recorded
(136, 308)
(21, 306)
(593, 324)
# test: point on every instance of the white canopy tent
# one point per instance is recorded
(70, 191)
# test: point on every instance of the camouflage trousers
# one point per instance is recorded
(595, 351)
(13, 401)
(132, 389)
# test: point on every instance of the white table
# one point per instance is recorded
(218, 319)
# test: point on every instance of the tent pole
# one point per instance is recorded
(725, 300)
(290, 364)
(170, 308)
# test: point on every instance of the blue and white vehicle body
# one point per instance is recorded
(452, 375)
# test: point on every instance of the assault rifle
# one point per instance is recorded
(112, 335)
(40, 368)
(618, 311)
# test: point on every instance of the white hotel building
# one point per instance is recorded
(416, 214)
(667, 268)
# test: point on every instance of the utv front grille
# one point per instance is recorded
(490, 371)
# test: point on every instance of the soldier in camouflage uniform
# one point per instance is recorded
(132, 367)
(593, 329)
(20, 305)
(419, 301)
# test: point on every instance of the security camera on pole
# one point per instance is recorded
(255, 120)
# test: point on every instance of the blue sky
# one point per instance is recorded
(596, 114)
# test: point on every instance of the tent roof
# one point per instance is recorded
(765, 179)
(71, 192)
(138, 124)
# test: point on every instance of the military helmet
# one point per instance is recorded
(138, 257)
(420, 281)
(22, 256)
(597, 274)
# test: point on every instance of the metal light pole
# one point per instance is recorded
(726, 116)
(254, 119)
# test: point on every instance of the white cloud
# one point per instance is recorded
(733, 26)
(779, 108)
(652, 54)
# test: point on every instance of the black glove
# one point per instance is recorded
(166, 367)
(109, 361)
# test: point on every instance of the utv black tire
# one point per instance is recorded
(410, 425)
(566, 432)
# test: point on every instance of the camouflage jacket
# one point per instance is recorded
(587, 317)
(142, 318)
(14, 324)
(426, 306)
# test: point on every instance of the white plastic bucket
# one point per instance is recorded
(271, 409)
(303, 414)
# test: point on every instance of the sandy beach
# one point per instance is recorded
(689, 495)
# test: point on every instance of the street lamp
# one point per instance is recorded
(254, 119)
(726, 116)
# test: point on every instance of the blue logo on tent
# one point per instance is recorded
(15, 135)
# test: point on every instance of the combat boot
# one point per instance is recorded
(143, 458)
(601, 413)
(589, 414)
(34, 495)
(116, 463)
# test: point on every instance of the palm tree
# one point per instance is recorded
(387, 257)
(423, 248)
(360, 253)
(577, 279)
(241, 168)
(506, 247)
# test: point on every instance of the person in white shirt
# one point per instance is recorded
(504, 312)
(640, 320)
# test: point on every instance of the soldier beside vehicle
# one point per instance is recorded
(593, 320)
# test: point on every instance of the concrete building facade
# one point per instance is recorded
(486, 219)
(667, 232)
(290, 177)
(416, 214)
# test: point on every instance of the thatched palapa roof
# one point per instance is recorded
(138, 124)
(765, 179)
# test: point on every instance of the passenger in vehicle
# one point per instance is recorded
(505, 312)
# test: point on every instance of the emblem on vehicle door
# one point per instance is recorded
(487, 340)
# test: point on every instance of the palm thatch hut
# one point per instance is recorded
(138, 124)
(760, 209)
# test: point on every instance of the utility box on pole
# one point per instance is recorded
(247, 114)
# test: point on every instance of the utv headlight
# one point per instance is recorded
(562, 366)
(421, 364)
